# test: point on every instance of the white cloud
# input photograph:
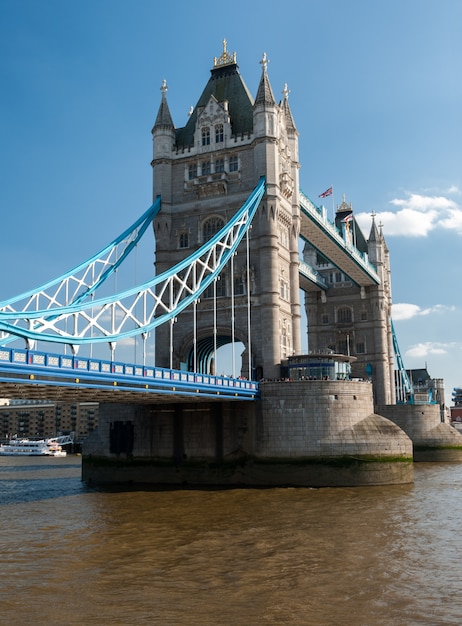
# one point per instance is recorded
(423, 204)
(406, 311)
(429, 348)
(417, 215)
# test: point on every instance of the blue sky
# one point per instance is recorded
(375, 91)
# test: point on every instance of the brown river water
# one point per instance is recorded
(362, 557)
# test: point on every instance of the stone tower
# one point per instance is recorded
(204, 172)
(354, 320)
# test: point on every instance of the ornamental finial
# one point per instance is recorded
(164, 87)
(285, 92)
(264, 62)
(226, 58)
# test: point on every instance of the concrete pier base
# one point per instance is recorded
(300, 433)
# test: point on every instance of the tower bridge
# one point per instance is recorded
(228, 216)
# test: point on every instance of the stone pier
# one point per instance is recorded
(433, 440)
(300, 433)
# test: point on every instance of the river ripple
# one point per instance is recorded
(323, 557)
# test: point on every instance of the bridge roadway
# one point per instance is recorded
(317, 230)
(33, 375)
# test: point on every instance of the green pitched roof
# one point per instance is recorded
(225, 83)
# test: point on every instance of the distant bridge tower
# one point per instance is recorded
(204, 172)
(354, 320)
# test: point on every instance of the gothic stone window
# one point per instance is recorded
(360, 347)
(220, 287)
(284, 286)
(220, 165)
(210, 227)
(206, 168)
(219, 134)
(183, 239)
(344, 315)
(342, 346)
(205, 136)
(192, 171)
(233, 164)
(285, 338)
(336, 277)
(284, 236)
(239, 286)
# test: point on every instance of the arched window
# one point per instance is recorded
(206, 168)
(239, 286)
(233, 164)
(211, 227)
(219, 165)
(219, 134)
(192, 171)
(205, 136)
(183, 240)
(344, 315)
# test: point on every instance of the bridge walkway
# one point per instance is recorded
(32, 375)
(318, 231)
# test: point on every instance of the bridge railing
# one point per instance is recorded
(309, 272)
(30, 359)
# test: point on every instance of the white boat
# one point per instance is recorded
(34, 447)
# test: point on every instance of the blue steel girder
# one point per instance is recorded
(406, 383)
(81, 282)
(320, 233)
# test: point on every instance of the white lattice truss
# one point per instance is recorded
(66, 310)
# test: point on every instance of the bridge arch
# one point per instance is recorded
(201, 355)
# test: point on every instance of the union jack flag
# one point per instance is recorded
(328, 192)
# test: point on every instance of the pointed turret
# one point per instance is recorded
(163, 119)
(375, 244)
(163, 136)
(374, 235)
(290, 124)
(265, 110)
(265, 93)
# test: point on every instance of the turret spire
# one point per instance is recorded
(286, 108)
(374, 235)
(163, 119)
(264, 93)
